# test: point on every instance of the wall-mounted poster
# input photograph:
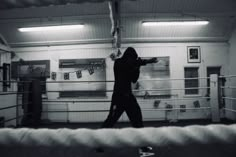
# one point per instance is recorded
(84, 73)
(194, 54)
(147, 87)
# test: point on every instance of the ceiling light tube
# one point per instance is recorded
(174, 23)
(50, 28)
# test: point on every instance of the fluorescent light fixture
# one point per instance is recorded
(50, 28)
(174, 23)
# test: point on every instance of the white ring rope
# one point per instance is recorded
(228, 76)
(127, 137)
(111, 81)
(229, 98)
(228, 109)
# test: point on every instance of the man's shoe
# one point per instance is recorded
(146, 151)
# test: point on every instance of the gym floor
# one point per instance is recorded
(57, 125)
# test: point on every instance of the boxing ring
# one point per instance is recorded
(194, 140)
(15, 105)
(169, 105)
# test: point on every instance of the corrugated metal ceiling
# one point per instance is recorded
(179, 6)
(95, 14)
(11, 4)
(219, 8)
(143, 6)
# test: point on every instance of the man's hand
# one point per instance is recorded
(153, 60)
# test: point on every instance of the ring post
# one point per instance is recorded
(215, 112)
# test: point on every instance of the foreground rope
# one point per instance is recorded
(131, 137)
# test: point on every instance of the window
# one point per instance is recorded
(191, 72)
(29, 70)
(157, 71)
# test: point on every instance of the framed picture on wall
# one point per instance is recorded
(193, 54)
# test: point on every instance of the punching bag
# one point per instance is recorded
(36, 102)
(32, 100)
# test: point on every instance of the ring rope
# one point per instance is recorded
(228, 87)
(228, 76)
(228, 109)
(99, 101)
(229, 98)
(131, 137)
(143, 90)
(111, 81)
(160, 109)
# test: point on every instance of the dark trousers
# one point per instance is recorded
(120, 103)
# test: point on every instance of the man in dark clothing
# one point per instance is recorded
(126, 71)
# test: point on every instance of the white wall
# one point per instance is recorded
(212, 54)
(232, 64)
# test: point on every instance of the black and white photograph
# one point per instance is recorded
(117, 78)
(194, 54)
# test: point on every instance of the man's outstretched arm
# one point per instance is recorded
(136, 68)
(142, 62)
